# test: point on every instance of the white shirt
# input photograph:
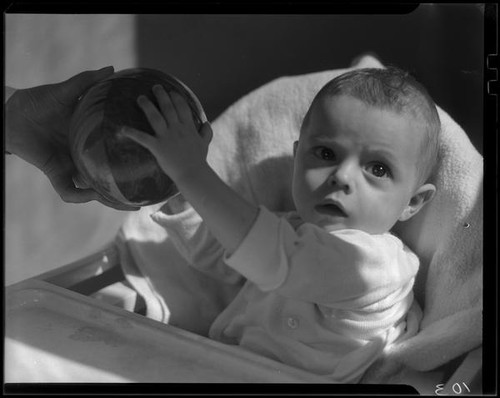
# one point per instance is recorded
(326, 302)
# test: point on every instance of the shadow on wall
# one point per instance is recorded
(223, 57)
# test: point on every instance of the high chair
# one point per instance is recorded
(82, 323)
(85, 322)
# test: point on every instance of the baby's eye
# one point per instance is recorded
(379, 170)
(324, 153)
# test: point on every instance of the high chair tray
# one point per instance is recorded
(56, 335)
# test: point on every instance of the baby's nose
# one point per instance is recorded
(341, 178)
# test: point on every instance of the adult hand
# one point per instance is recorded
(37, 124)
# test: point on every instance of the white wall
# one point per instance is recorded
(41, 231)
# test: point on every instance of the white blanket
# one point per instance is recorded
(252, 152)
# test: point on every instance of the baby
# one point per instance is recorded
(328, 287)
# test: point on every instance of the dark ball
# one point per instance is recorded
(118, 168)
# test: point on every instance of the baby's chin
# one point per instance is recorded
(332, 227)
(329, 225)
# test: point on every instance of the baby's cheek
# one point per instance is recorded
(315, 178)
(380, 215)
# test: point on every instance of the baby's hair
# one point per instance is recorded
(396, 90)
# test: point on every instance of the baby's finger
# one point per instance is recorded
(165, 104)
(144, 139)
(152, 113)
(183, 109)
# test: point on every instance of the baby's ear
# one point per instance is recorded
(422, 195)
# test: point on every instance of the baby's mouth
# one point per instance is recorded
(331, 209)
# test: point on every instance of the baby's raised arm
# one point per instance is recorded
(181, 152)
(193, 240)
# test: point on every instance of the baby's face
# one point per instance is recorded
(355, 165)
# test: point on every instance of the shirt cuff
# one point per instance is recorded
(259, 256)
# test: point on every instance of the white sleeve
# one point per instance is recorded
(194, 241)
(316, 266)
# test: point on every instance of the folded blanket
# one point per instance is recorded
(252, 152)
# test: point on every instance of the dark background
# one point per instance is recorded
(222, 57)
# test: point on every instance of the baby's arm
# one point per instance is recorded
(347, 268)
(193, 240)
(181, 152)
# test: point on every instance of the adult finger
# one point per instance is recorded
(80, 182)
(61, 172)
(206, 133)
(68, 91)
(71, 194)
(66, 189)
(59, 169)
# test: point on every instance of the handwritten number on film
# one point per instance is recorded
(456, 387)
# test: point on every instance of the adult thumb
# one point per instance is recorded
(69, 90)
(206, 132)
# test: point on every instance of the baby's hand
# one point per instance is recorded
(177, 146)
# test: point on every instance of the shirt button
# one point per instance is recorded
(292, 323)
